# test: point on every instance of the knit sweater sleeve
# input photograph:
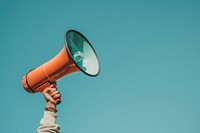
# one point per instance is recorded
(48, 123)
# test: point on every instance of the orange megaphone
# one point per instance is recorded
(76, 55)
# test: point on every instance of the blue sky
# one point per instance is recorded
(149, 53)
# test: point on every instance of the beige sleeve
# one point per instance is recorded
(48, 123)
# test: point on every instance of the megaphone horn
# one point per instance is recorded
(76, 55)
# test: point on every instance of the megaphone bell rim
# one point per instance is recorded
(69, 52)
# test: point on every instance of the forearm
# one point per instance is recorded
(48, 122)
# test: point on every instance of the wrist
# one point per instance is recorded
(51, 105)
(51, 109)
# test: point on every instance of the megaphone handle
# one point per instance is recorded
(57, 101)
(43, 87)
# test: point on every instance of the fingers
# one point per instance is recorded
(53, 85)
(52, 90)
(54, 93)
(57, 96)
(47, 90)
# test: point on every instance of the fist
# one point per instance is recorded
(52, 94)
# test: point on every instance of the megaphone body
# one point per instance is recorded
(76, 55)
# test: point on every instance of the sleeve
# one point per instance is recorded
(48, 123)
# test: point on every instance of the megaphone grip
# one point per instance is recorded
(58, 102)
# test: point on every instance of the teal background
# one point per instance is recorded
(149, 53)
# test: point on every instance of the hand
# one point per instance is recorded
(51, 94)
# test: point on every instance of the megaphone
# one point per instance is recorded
(76, 55)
